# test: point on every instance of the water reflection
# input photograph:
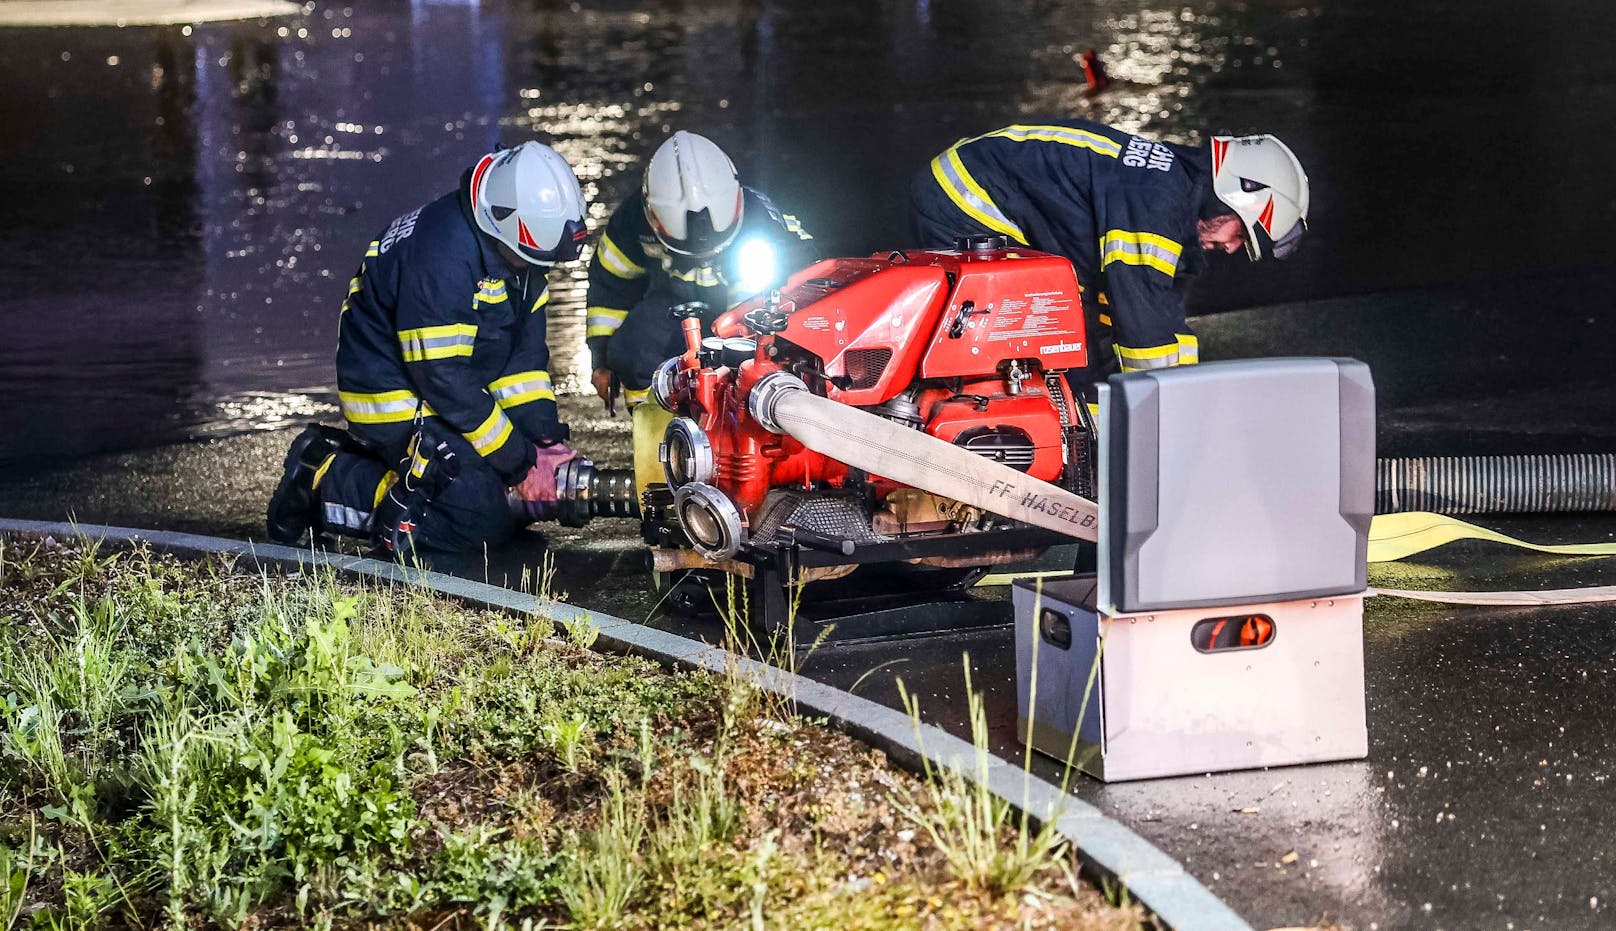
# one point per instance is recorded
(211, 187)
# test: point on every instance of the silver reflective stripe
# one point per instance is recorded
(439, 342)
(1141, 248)
(539, 383)
(351, 406)
(1136, 363)
(340, 515)
(961, 187)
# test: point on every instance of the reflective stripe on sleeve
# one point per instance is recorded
(1139, 248)
(1151, 357)
(374, 250)
(385, 407)
(1189, 349)
(969, 196)
(492, 434)
(634, 396)
(438, 342)
(522, 387)
(1066, 135)
(603, 321)
(543, 299)
(614, 260)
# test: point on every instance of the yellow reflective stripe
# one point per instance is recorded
(704, 276)
(1066, 135)
(794, 225)
(633, 396)
(969, 196)
(418, 464)
(603, 321)
(492, 434)
(438, 342)
(614, 260)
(319, 474)
(514, 390)
(1150, 357)
(388, 478)
(374, 250)
(543, 300)
(1189, 349)
(384, 407)
(491, 291)
(353, 286)
(1140, 248)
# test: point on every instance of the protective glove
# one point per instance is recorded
(535, 498)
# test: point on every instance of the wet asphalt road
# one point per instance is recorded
(1485, 799)
(179, 209)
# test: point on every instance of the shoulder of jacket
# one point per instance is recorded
(761, 209)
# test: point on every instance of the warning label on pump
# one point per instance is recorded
(1039, 314)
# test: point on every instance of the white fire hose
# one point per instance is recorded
(782, 403)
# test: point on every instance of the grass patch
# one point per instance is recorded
(191, 744)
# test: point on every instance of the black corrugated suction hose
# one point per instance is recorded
(1497, 484)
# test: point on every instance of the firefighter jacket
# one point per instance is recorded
(631, 265)
(436, 324)
(1121, 207)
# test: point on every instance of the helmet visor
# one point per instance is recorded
(1283, 247)
(566, 249)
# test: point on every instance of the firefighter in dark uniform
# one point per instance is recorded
(692, 233)
(1128, 212)
(442, 370)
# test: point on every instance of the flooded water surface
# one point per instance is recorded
(180, 207)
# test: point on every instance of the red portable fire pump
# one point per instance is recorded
(966, 346)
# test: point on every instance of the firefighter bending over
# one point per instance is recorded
(453, 435)
(1123, 209)
(693, 233)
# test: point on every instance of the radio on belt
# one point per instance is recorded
(1226, 615)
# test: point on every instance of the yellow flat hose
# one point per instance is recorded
(1398, 536)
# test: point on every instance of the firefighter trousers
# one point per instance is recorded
(465, 513)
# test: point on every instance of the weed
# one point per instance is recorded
(200, 745)
(968, 822)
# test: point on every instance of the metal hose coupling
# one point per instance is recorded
(584, 492)
(766, 394)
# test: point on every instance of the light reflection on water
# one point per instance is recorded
(210, 189)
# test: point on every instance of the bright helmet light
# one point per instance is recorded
(758, 265)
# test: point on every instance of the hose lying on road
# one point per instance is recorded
(1497, 484)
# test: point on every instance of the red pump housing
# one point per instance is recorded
(969, 346)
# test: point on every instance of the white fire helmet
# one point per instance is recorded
(1260, 179)
(528, 198)
(692, 196)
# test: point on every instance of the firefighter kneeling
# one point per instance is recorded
(442, 370)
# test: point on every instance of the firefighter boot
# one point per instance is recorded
(295, 507)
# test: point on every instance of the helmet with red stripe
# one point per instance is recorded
(528, 198)
(1261, 180)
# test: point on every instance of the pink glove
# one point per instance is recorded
(535, 498)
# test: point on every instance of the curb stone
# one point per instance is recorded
(1103, 844)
